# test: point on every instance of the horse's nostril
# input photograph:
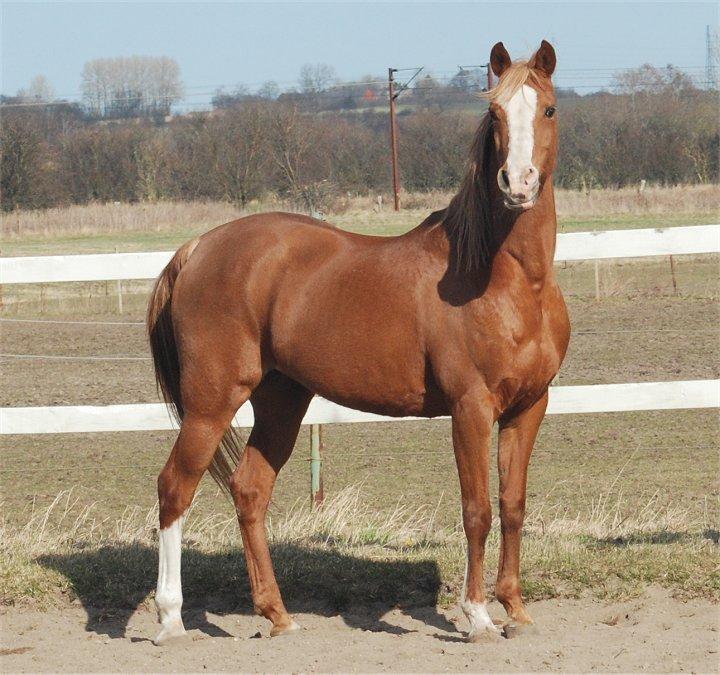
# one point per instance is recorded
(505, 178)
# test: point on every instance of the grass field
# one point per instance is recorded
(384, 224)
(615, 501)
(99, 228)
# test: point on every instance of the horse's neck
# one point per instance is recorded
(529, 236)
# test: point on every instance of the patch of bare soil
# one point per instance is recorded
(655, 633)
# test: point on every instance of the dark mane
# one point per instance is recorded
(468, 219)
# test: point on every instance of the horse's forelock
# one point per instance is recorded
(516, 75)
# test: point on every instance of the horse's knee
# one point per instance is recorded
(512, 513)
(477, 519)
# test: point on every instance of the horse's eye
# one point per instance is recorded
(549, 111)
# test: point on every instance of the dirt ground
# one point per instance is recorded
(654, 633)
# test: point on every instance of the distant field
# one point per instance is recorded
(165, 225)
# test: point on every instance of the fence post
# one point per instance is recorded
(672, 273)
(316, 481)
(119, 292)
(597, 279)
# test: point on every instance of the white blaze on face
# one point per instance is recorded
(520, 113)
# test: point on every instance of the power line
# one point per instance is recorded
(438, 76)
(379, 80)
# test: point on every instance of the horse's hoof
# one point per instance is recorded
(171, 634)
(284, 630)
(484, 635)
(514, 629)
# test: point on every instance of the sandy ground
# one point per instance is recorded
(655, 633)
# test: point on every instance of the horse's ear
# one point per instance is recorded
(544, 59)
(499, 59)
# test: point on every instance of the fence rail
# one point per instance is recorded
(638, 243)
(597, 398)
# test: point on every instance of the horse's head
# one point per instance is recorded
(522, 108)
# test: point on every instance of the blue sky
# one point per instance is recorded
(227, 43)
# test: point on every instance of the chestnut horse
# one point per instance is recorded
(461, 316)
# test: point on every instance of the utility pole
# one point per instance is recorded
(489, 77)
(393, 93)
(393, 137)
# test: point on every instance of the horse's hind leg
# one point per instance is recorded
(204, 423)
(279, 405)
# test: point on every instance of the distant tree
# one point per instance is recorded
(469, 80)
(100, 163)
(566, 92)
(315, 78)
(269, 90)
(301, 158)
(434, 147)
(40, 90)
(21, 161)
(429, 91)
(238, 142)
(648, 79)
(223, 99)
(132, 86)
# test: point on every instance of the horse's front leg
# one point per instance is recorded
(472, 420)
(516, 440)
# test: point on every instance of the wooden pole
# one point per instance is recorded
(393, 138)
(597, 279)
(672, 273)
(489, 77)
(119, 292)
(317, 494)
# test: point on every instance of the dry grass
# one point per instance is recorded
(118, 217)
(609, 551)
(684, 199)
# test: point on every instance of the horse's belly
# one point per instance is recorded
(359, 362)
(384, 383)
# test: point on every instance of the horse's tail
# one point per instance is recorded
(167, 362)
(161, 332)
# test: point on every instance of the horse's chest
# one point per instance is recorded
(527, 350)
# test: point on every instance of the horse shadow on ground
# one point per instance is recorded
(112, 582)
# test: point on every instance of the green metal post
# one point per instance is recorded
(316, 481)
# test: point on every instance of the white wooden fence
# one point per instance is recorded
(595, 398)
(563, 400)
(572, 246)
